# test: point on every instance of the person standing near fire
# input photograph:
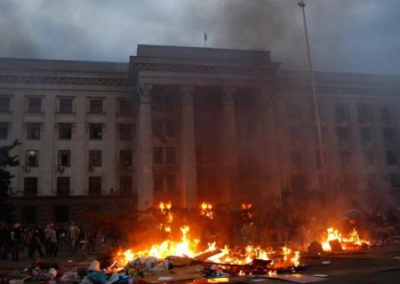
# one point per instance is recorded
(74, 236)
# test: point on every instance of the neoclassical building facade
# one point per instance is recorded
(190, 124)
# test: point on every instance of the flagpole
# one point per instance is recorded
(205, 39)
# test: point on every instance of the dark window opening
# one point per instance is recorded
(65, 131)
(94, 185)
(95, 131)
(64, 158)
(125, 107)
(61, 214)
(3, 130)
(34, 105)
(33, 131)
(65, 105)
(126, 132)
(95, 158)
(125, 185)
(32, 158)
(125, 158)
(63, 186)
(96, 106)
(30, 186)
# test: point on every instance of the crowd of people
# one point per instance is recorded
(45, 241)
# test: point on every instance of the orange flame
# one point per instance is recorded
(206, 209)
(351, 241)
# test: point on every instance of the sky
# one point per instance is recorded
(357, 36)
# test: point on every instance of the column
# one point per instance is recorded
(144, 150)
(230, 159)
(189, 174)
(272, 155)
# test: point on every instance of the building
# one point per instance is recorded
(190, 124)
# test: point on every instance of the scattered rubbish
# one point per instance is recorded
(326, 262)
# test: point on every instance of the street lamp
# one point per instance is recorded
(302, 5)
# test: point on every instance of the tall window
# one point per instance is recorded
(33, 131)
(66, 105)
(63, 186)
(170, 155)
(94, 185)
(395, 180)
(386, 114)
(389, 135)
(366, 135)
(125, 185)
(95, 158)
(95, 131)
(4, 105)
(343, 134)
(391, 158)
(342, 112)
(32, 158)
(125, 107)
(64, 158)
(125, 158)
(158, 155)
(30, 186)
(96, 106)
(65, 131)
(126, 132)
(364, 113)
(3, 130)
(34, 105)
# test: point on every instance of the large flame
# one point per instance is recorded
(350, 241)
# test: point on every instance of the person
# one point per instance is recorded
(74, 236)
(5, 240)
(34, 241)
(52, 241)
(16, 238)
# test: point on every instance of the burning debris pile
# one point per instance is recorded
(189, 257)
(335, 241)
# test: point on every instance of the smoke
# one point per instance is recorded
(346, 36)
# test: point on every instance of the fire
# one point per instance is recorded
(350, 241)
(206, 209)
(247, 206)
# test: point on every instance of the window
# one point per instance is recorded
(125, 107)
(125, 185)
(125, 158)
(32, 158)
(386, 114)
(30, 186)
(163, 128)
(63, 186)
(364, 113)
(161, 103)
(65, 131)
(34, 105)
(391, 158)
(341, 112)
(343, 134)
(95, 131)
(29, 215)
(125, 132)
(171, 183)
(3, 130)
(157, 128)
(158, 182)
(298, 182)
(61, 214)
(158, 155)
(369, 158)
(94, 185)
(345, 158)
(64, 158)
(65, 105)
(389, 135)
(294, 134)
(95, 158)
(4, 105)
(394, 180)
(295, 158)
(33, 131)
(96, 106)
(170, 155)
(366, 135)
(292, 111)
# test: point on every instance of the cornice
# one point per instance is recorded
(58, 80)
(210, 69)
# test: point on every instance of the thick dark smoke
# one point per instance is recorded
(15, 40)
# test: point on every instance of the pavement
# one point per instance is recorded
(376, 265)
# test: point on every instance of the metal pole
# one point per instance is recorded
(315, 97)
